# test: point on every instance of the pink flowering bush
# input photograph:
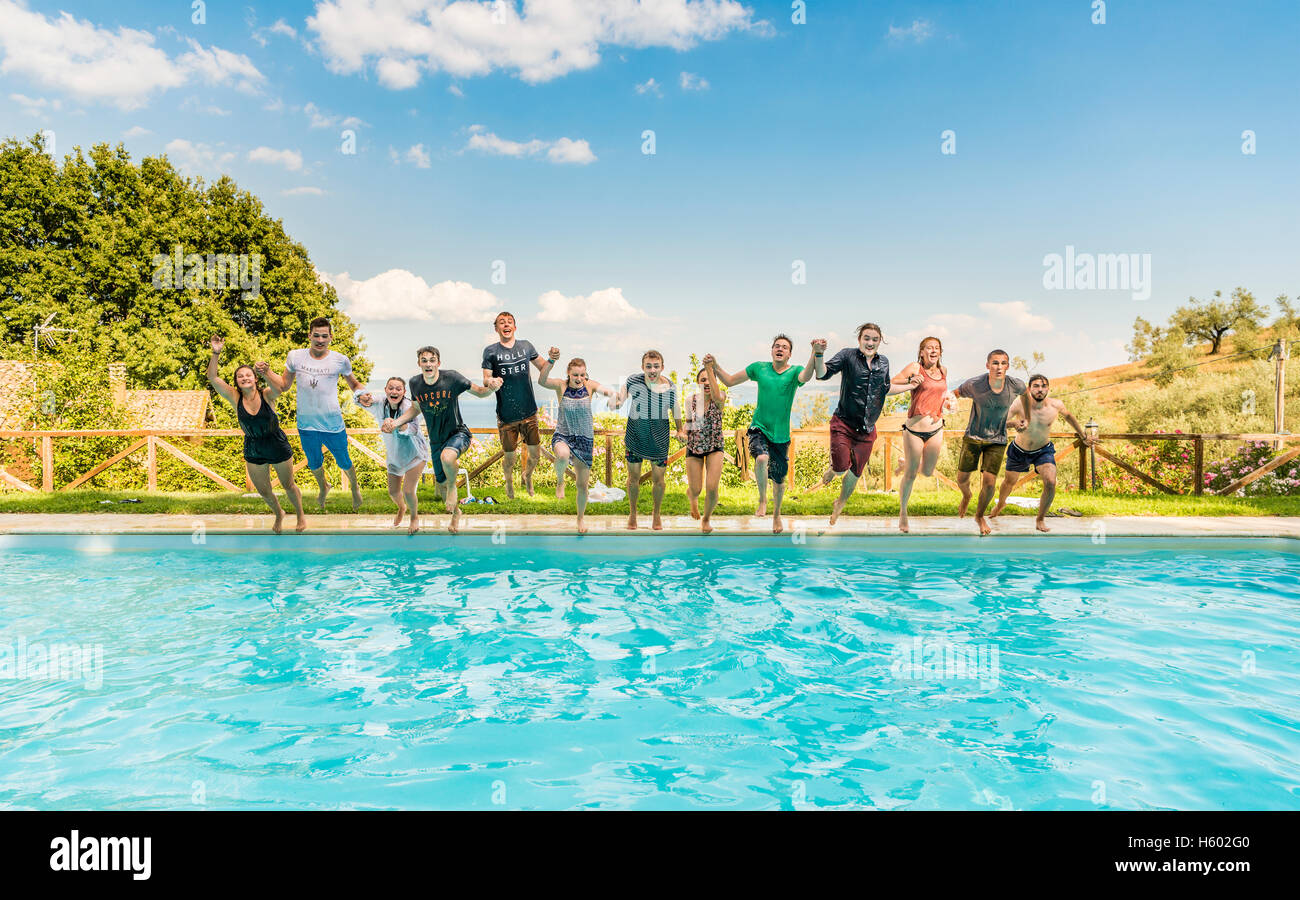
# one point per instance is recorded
(1169, 462)
(1249, 457)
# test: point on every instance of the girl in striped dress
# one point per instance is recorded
(574, 430)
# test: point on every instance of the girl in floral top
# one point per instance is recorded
(704, 455)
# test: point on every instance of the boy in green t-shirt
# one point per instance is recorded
(769, 432)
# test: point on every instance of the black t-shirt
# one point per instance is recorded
(440, 403)
(515, 400)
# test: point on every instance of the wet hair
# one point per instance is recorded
(576, 361)
(651, 354)
(783, 337)
(320, 322)
(1042, 378)
(993, 353)
(872, 326)
(428, 349)
(502, 314)
(920, 349)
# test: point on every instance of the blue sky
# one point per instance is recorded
(520, 141)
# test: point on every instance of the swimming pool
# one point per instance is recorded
(365, 671)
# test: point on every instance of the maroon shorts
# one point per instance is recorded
(850, 449)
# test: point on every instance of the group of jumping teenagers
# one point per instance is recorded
(654, 415)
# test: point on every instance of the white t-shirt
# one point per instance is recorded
(318, 388)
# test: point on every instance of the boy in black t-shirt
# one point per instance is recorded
(507, 361)
(436, 394)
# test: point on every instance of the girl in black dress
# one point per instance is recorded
(265, 443)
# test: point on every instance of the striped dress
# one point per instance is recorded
(647, 420)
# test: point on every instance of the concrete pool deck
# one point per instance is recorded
(486, 524)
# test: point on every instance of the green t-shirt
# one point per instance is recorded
(775, 398)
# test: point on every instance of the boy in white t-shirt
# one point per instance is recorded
(316, 371)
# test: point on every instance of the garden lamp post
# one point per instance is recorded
(1093, 429)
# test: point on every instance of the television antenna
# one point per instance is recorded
(44, 334)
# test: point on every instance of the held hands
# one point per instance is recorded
(366, 399)
(681, 435)
(388, 426)
(709, 362)
(261, 367)
(493, 384)
(217, 343)
(819, 346)
(553, 354)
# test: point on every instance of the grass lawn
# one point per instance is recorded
(733, 502)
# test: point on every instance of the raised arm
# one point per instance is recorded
(544, 371)
(353, 384)
(605, 390)
(729, 380)
(214, 371)
(816, 362)
(279, 382)
(717, 396)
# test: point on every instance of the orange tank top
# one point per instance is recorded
(927, 397)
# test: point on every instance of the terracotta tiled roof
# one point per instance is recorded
(15, 377)
(150, 409)
(168, 409)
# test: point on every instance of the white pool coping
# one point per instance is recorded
(487, 524)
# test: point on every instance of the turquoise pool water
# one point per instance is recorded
(667, 673)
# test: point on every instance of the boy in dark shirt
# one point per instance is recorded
(507, 360)
(436, 394)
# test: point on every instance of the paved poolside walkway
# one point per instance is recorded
(1146, 526)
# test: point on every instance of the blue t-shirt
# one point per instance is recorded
(515, 399)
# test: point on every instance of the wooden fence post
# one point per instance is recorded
(1083, 464)
(609, 459)
(1198, 467)
(151, 462)
(47, 463)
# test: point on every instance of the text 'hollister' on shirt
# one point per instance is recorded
(988, 411)
(515, 399)
(440, 403)
(318, 388)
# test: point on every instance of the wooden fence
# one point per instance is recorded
(152, 442)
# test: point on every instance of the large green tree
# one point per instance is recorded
(81, 239)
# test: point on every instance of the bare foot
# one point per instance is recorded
(761, 511)
(984, 526)
(510, 490)
(414, 526)
(836, 508)
(961, 507)
(777, 525)
(1041, 525)
(902, 526)
(631, 522)
(582, 528)
(279, 523)
(301, 526)
(356, 499)
(997, 510)
(559, 491)
(657, 524)
(706, 526)
(453, 526)
(528, 482)
(321, 495)
(401, 514)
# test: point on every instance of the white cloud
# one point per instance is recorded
(692, 82)
(35, 106)
(920, 31)
(1017, 314)
(290, 159)
(136, 131)
(282, 27)
(121, 66)
(549, 39)
(275, 105)
(191, 104)
(321, 119)
(398, 74)
(304, 191)
(562, 151)
(399, 294)
(196, 159)
(452, 89)
(650, 87)
(417, 154)
(601, 308)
